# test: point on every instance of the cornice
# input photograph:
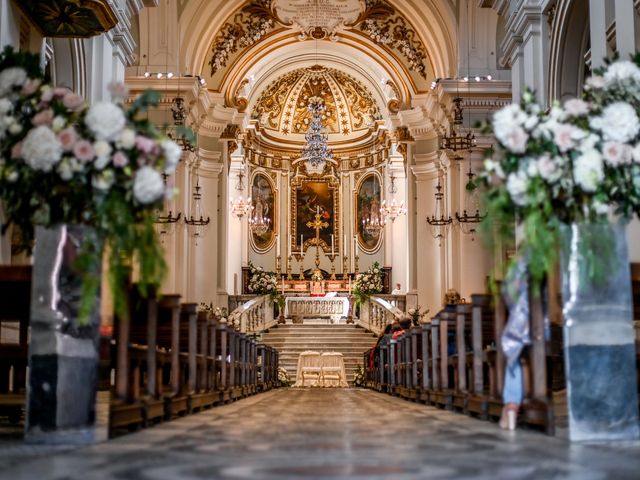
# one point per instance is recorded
(524, 22)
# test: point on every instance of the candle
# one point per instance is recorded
(283, 286)
(278, 245)
(301, 244)
(355, 242)
(332, 244)
(344, 244)
(317, 209)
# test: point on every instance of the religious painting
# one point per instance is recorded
(368, 219)
(311, 198)
(262, 218)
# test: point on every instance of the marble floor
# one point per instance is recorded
(322, 434)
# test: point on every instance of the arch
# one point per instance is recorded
(369, 248)
(569, 44)
(68, 64)
(433, 20)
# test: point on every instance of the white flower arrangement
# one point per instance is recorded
(368, 282)
(262, 282)
(573, 163)
(67, 162)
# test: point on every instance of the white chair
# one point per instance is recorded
(333, 371)
(309, 369)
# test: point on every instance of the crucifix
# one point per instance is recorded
(317, 225)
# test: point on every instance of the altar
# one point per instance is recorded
(315, 307)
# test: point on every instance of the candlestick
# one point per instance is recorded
(278, 265)
(344, 245)
(289, 276)
(349, 285)
(333, 266)
(345, 267)
(283, 286)
(356, 269)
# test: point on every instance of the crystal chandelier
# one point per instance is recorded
(198, 220)
(259, 224)
(180, 134)
(458, 140)
(468, 221)
(240, 206)
(316, 152)
(439, 223)
(392, 210)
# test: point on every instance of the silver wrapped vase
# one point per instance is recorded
(599, 339)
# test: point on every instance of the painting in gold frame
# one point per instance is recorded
(368, 199)
(263, 200)
(309, 196)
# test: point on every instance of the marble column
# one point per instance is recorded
(237, 238)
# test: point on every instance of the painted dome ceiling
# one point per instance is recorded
(282, 107)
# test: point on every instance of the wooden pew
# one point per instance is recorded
(15, 300)
(459, 361)
(443, 390)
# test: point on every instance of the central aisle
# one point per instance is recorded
(323, 433)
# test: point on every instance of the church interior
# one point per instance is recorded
(257, 239)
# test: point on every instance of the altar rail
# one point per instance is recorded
(379, 311)
(254, 315)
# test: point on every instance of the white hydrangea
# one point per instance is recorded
(517, 185)
(148, 186)
(588, 170)
(11, 78)
(172, 153)
(622, 71)
(41, 149)
(618, 122)
(106, 121)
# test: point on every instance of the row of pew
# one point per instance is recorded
(455, 362)
(162, 360)
(172, 360)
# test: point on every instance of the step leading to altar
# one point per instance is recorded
(292, 339)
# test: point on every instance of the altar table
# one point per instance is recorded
(316, 370)
(313, 307)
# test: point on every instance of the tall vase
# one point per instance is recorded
(599, 340)
(63, 352)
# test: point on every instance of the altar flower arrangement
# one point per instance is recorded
(63, 161)
(571, 164)
(262, 282)
(368, 283)
(416, 314)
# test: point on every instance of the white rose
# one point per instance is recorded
(103, 180)
(41, 149)
(588, 170)
(172, 153)
(618, 122)
(103, 153)
(515, 140)
(588, 143)
(517, 185)
(15, 128)
(58, 123)
(11, 78)
(65, 170)
(11, 175)
(105, 120)
(148, 186)
(127, 139)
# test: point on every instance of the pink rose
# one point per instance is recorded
(576, 107)
(31, 86)
(44, 117)
(616, 154)
(145, 144)
(84, 151)
(120, 160)
(60, 91)
(565, 136)
(16, 151)
(118, 90)
(72, 101)
(68, 138)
